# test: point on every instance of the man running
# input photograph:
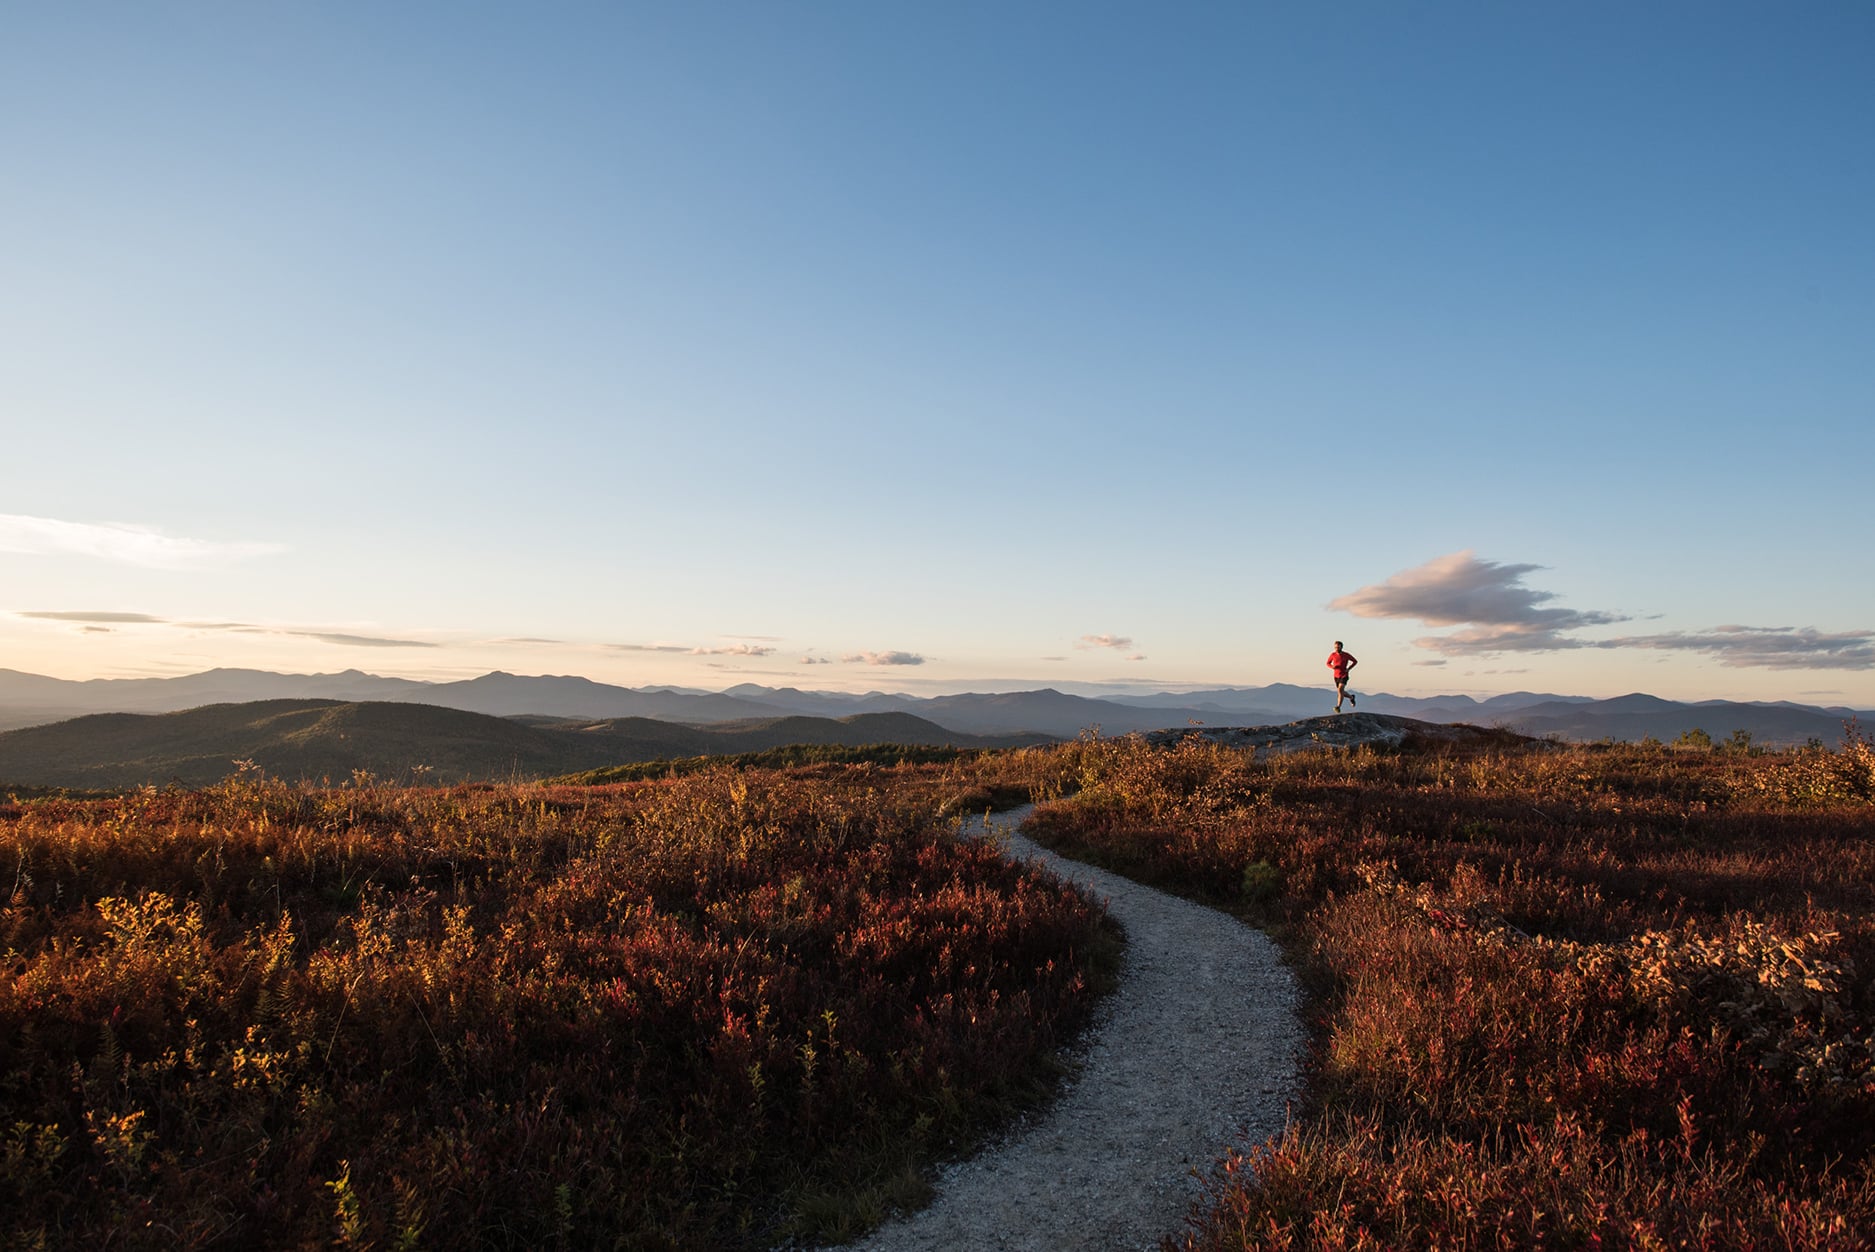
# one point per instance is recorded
(1341, 662)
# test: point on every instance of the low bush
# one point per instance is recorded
(1582, 996)
(708, 1011)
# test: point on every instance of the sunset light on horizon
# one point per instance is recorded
(851, 348)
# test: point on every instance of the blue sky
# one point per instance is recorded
(917, 347)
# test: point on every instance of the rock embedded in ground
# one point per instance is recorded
(1336, 730)
(1197, 1051)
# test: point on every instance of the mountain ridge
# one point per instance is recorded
(328, 740)
(30, 699)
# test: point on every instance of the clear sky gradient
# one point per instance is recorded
(858, 345)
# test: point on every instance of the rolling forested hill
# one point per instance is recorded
(329, 739)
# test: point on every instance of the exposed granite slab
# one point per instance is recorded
(1336, 730)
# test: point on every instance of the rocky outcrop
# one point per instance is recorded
(1337, 730)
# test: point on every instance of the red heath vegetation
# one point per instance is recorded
(1577, 996)
(708, 1011)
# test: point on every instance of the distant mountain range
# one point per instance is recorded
(327, 739)
(30, 699)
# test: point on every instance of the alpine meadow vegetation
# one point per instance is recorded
(710, 1011)
(1560, 995)
(1574, 996)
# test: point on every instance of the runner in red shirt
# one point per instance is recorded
(1341, 662)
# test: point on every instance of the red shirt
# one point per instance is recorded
(1341, 662)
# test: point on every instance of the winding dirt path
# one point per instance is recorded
(1197, 1050)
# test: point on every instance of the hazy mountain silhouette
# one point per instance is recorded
(30, 699)
(324, 739)
(1633, 717)
(24, 696)
(1047, 712)
(503, 695)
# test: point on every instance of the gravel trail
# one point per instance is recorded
(1197, 1050)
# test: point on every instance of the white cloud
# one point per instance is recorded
(883, 658)
(126, 543)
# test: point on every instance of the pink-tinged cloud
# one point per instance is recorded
(1118, 642)
(883, 658)
(1137, 656)
(735, 649)
(1497, 613)
(1488, 599)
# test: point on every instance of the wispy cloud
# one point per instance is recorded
(127, 543)
(343, 638)
(1118, 642)
(685, 649)
(1137, 656)
(87, 615)
(1497, 613)
(816, 660)
(1765, 647)
(357, 641)
(883, 658)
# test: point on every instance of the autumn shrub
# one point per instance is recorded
(1571, 996)
(707, 1011)
(1816, 776)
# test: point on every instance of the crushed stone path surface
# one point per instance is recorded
(1198, 1050)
